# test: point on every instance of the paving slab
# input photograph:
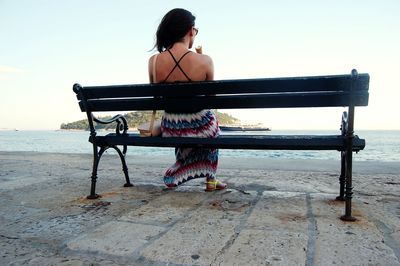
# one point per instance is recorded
(200, 237)
(276, 232)
(165, 209)
(115, 238)
(354, 243)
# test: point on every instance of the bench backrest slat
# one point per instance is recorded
(229, 102)
(248, 86)
(317, 91)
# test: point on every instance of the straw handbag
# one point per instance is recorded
(152, 128)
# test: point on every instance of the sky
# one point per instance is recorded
(48, 45)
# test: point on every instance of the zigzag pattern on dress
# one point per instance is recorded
(191, 163)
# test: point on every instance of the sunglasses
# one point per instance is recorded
(196, 30)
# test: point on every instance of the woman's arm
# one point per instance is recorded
(151, 66)
(210, 68)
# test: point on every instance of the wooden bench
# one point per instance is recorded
(315, 91)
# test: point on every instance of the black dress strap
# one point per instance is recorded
(177, 65)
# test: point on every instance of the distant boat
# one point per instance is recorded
(240, 128)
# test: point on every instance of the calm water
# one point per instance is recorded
(381, 145)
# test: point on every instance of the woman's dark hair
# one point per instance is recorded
(173, 27)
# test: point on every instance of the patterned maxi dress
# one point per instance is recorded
(191, 162)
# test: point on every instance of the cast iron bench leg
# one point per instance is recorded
(96, 160)
(342, 177)
(349, 182)
(124, 166)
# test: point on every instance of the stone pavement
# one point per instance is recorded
(275, 212)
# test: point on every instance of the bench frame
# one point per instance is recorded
(324, 91)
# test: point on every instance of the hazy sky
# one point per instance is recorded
(47, 45)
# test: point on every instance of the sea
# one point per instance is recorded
(381, 145)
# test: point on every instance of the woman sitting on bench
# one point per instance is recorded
(176, 63)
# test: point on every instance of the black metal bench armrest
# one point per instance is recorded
(122, 124)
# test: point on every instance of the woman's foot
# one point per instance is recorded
(169, 181)
(171, 186)
(214, 184)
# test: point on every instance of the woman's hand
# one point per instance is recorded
(199, 49)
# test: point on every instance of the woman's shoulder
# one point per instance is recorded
(151, 58)
(202, 58)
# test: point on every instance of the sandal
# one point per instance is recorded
(215, 185)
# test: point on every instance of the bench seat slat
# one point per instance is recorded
(255, 142)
